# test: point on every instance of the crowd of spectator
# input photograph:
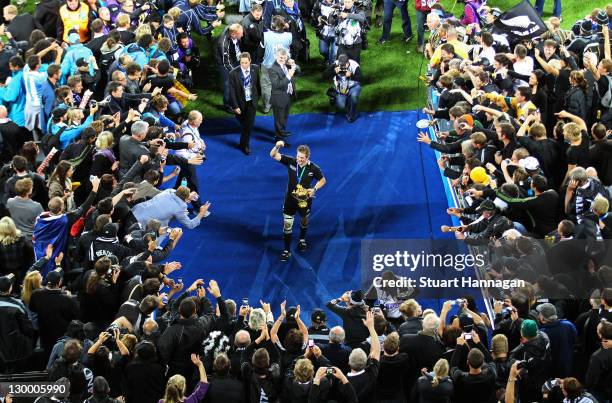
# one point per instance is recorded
(522, 129)
(92, 113)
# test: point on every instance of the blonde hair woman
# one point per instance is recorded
(16, 253)
(31, 282)
(434, 386)
(176, 386)
(104, 160)
(74, 117)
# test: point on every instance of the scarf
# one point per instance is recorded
(294, 13)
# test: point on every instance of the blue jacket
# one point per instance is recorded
(74, 53)
(160, 118)
(563, 336)
(190, 17)
(47, 102)
(70, 133)
(14, 98)
(164, 207)
(141, 56)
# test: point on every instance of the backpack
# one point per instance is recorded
(606, 99)
(51, 140)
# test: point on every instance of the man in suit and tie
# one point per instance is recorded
(244, 93)
(283, 89)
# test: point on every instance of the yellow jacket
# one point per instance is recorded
(507, 103)
(461, 50)
(78, 19)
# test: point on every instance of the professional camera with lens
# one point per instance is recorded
(332, 17)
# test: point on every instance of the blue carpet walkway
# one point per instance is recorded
(379, 186)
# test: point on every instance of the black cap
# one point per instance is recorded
(356, 297)
(459, 82)
(291, 313)
(54, 277)
(81, 62)
(486, 205)
(6, 282)
(343, 60)
(602, 18)
(59, 112)
(109, 230)
(586, 26)
(318, 316)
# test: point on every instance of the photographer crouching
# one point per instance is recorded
(347, 88)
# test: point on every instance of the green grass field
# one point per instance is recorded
(389, 71)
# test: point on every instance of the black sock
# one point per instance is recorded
(303, 232)
(287, 239)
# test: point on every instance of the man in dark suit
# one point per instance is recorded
(20, 26)
(244, 93)
(283, 89)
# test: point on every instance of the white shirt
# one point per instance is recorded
(190, 133)
(524, 67)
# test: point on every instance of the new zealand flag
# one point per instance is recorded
(520, 22)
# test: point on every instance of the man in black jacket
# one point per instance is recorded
(599, 374)
(181, 339)
(352, 316)
(283, 90)
(17, 330)
(244, 94)
(336, 351)
(227, 55)
(542, 209)
(47, 15)
(600, 154)
(223, 387)
(535, 354)
(423, 347)
(546, 150)
(492, 225)
(20, 26)
(55, 309)
(478, 384)
(253, 27)
(12, 136)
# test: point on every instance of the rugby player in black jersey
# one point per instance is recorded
(301, 171)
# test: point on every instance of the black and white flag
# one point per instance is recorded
(520, 22)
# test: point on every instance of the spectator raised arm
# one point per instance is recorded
(374, 342)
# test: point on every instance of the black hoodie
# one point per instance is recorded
(536, 355)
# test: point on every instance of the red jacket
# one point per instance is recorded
(424, 5)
